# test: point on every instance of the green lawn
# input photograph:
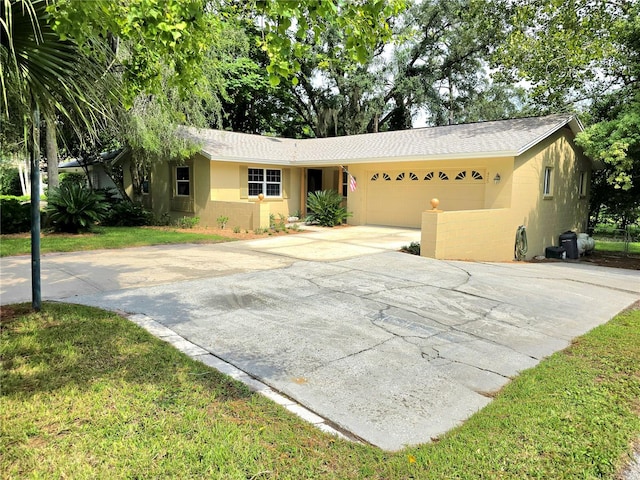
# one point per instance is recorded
(607, 245)
(104, 237)
(87, 394)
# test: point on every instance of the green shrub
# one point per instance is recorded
(111, 195)
(611, 230)
(413, 248)
(188, 222)
(326, 208)
(73, 208)
(15, 215)
(127, 214)
(10, 181)
(222, 221)
(236, 229)
(163, 220)
(72, 178)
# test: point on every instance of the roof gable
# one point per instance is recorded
(500, 138)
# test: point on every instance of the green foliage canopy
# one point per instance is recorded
(157, 34)
(292, 27)
(583, 50)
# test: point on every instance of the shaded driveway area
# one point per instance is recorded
(392, 348)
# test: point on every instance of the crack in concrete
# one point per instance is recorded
(457, 328)
(554, 279)
(361, 351)
(617, 289)
(438, 355)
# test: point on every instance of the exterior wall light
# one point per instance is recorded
(496, 179)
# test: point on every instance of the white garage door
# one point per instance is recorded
(398, 198)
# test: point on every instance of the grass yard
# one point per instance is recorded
(605, 245)
(105, 237)
(87, 394)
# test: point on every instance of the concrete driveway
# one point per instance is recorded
(391, 348)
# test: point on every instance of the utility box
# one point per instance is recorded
(569, 240)
(555, 252)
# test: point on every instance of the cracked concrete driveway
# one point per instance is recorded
(393, 348)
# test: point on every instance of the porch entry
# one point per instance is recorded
(314, 179)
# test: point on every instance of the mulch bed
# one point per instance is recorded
(615, 260)
(603, 259)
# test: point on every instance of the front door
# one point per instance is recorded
(314, 180)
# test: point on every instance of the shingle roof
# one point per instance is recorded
(224, 145)
(498, 138)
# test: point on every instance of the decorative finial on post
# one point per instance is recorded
(260, 197)
(434, 203)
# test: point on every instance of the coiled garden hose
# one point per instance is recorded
(521, 247)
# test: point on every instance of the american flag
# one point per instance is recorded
(352, 182)
(352, 179)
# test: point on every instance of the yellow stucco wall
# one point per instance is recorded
(479, 235)
(229, 183)
(546, 217)
(401, 201)
(217, 190)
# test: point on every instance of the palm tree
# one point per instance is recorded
(51, 75)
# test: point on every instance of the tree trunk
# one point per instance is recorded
(52, 153)
(136, 183)
(117, 181)
(34, 137)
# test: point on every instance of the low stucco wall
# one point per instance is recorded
(246, 215)
(479, 235)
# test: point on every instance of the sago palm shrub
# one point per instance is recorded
(325, 208)
(74, 208)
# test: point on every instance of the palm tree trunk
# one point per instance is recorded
(52, 152)
(36, 292)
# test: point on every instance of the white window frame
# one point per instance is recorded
(547, 182)
(582, 187)
(182, 181)
(261, 180)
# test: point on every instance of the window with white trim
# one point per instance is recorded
(582, 187)
(267, 181)
(548, 182)
(183, 181)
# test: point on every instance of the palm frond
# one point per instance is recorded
(54, 74)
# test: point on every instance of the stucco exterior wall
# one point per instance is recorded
(219, 189)
(229, 184)
(400, 193)
(547, 216)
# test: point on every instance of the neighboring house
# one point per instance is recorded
(94, 169)
(490, 177)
